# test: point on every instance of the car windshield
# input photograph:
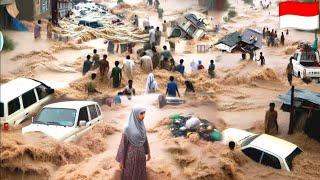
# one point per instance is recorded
(289, 158)
(1, 109)
(56, 116)
(248, 140)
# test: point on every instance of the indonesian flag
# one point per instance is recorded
(299, 15)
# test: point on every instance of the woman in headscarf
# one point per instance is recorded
(151, 84)
(134, 147)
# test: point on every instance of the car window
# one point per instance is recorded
(270, 160)
(98, 110)
(56, 116)
(248, 140)
(290, 158)
(13, 106)
(93, 112)
(1, 110)
(41, 91)
(29, 98)
(254, 154)
(83, 115)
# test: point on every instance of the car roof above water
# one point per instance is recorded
(274, 145)
(70, 104)
(16, 88)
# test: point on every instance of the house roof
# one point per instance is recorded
(230, 39)
(194, 20)
(301, 96)
(249, 34)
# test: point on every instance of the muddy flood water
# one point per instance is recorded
(237, 97)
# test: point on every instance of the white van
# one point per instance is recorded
(20, 98)
(66, 121)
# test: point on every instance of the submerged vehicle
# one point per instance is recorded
(91, 23)
(66, 121)
(20, 98)
(263, 148)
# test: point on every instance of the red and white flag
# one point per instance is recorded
(299, 15)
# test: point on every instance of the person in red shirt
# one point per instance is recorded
(200, 66)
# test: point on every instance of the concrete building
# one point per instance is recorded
(33, 9)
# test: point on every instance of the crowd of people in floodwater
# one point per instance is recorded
(272, 37)
(147, 64)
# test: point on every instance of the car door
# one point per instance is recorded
(99, 113)
(30, 102)
(270, 160)
(253, 153)
(15, 111)
(93, 114)
(83, 116)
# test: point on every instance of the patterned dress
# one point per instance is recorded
(133, 158)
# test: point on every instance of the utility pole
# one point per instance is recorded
(291, 123)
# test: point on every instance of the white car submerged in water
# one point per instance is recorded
(66, 121)
(262, 148)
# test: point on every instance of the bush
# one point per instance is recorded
(248, 1)
(226, 19)
(8, 44)
(232, 13)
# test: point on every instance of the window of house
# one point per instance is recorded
(270, 160)
(29, 98)
(43, 6)
(253, 153)
(191, 29)
(83, 115)
(93, 112)
(13, 106)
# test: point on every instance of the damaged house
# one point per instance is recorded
(189, 27)
(247, 42)
(306, 111)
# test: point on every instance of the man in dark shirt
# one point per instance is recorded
(172, 88)
(180, 68)
(116, 75)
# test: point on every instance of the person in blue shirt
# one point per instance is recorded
(180, 67)
(172, 88)
(86, 65)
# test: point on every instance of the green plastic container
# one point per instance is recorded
(215, 135)
(174, 116)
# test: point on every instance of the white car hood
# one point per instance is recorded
(236, 135)
(57, 132)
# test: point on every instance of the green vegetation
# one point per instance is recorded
(8, 44)
(248, 1)
(231, 14)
